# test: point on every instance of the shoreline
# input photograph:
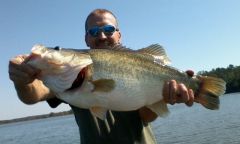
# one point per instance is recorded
(56, 114)
(43, 116)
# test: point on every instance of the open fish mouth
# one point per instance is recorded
(78, 81)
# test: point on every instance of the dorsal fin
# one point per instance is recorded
(158, 53)
(120, 48)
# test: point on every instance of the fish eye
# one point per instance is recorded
(56, 48)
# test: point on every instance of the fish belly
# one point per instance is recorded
(131, 95)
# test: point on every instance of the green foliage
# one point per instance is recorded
(231, 75)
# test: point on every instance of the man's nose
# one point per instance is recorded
(102, 35)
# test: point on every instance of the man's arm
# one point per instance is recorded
(33, 92)
(29, 89)
(172, 93)
(147, 115)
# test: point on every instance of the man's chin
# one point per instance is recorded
(103, 47)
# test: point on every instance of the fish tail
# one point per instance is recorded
(209, 91)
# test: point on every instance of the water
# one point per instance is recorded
(183, 126)
(196, 125)
(56, 130)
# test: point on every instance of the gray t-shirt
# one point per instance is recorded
(119, 128)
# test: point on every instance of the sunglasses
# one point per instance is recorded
(108, 30)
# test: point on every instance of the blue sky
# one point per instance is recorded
(197, 34)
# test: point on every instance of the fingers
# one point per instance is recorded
(172, 91)
(182, 95)
(190, 73)
(20, 72)
(169, 92)
(177, 93)
(191, 98)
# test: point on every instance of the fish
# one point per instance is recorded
(118, 78)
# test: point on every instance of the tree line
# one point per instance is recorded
(231, 75)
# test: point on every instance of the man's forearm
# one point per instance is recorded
(147, 115)
(33, 92)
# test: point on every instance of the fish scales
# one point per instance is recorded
(133, 65)
(118, 79)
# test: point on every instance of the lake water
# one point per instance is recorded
(184, 125)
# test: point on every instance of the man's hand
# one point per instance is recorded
(30, 90)
(178, 93)
(21, 73)
(172, 93)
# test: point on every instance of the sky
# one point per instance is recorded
(196, 34)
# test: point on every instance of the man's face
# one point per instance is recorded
(102, 39)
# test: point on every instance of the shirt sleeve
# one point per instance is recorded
(54, 102)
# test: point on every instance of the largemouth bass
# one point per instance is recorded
(117, 78)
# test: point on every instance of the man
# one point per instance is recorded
(120, 127)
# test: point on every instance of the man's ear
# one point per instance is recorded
(86, 39)
(119, 36)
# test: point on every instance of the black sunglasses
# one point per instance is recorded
(107, 29)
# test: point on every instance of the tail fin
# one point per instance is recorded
(210, 90)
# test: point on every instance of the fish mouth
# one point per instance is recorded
(78, 81)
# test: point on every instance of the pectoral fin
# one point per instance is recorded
(103, 85)
(99, 112)
(160, 108)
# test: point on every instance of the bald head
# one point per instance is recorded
(99, 15)
(100, 18)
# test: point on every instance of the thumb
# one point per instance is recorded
(190, 73)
